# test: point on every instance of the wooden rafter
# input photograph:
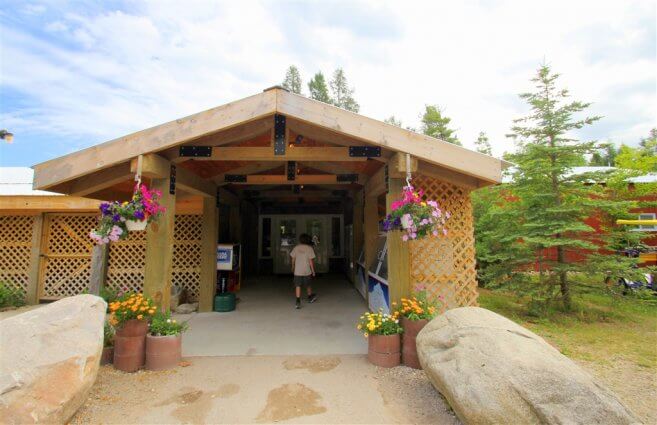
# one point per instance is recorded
(240, 153)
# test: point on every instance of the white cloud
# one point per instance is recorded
(101, 74)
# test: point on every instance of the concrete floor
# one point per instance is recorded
(266, 323)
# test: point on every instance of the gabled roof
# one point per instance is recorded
(247, 117)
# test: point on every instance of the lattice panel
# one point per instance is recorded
(125, 269)
(445, 266)
(67, 263)
(15, 246)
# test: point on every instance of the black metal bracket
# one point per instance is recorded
(386, 177)
(195, 151)
(365, 151)
(235, 178)
(350, 178)
(172, 180)
(291, 170)
(279, 134)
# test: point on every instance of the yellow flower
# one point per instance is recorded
(140, 316)
(151, 311)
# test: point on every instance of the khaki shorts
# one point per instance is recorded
(302, 281)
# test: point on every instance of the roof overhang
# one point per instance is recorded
(248, 117)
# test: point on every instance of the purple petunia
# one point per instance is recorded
(105, 208)
(139, 215)
(116, 217)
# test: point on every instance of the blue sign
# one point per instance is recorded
(224, 256)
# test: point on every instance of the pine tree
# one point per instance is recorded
(537, 222)
(483, 145)
(434, 124)
(605, 156)
(292, 80)
(393, 121)
(341, 93)
(318, 89)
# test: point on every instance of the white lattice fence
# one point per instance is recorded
(446, 265)
(15, 245)
(125, 266)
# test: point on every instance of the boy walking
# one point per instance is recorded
(303, 267)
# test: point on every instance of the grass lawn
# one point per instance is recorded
(600, 329)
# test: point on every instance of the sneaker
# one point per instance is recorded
(312, 298)
(298, 304)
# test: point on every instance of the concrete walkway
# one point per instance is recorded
(266, 323)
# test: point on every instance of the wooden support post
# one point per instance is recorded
(399, 274)
(209, 237)
(371, 229)
(159, 248)
(235, 224)
(357, 230)
(99, 256)
(32, 295)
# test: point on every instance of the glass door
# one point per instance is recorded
(285, 238)
(316, 228)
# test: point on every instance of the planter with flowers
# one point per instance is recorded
(383, 338)
(415, 217)
(415, 313)
(164, 342)
(117, 219)
(130, 315)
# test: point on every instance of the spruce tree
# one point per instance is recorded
(483, 145)
(318, 89)
(292, 80)
(341, 93)
(434, 124)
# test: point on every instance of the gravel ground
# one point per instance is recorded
(266, 389)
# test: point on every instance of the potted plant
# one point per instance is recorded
(116, 218)
(415, 313)
(415, 217)
(108, 345)
(130, 314)
(383, 337)
(164, 342)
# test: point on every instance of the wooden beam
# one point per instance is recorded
(279, 179)
(228, 198)
(376, 185)
(154, 139)
(397, 165)
(209, 238)
(449, 176)
(156, 167)
(357, 231)
(399, 275)
(98, 276)
(391, 137)
(370, 228)
(100, 180)
(32, 290)
(159, 249)
(253, 168)
(303, 193)
(258, 153)
(50, 203)
(337, 169)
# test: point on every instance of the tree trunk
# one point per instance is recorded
(563, 280)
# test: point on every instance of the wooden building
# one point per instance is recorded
(220, 171)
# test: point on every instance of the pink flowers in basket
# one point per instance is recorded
(143, 207)
(416, 217)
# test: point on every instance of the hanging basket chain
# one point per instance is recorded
(408, 170)
(140, 159)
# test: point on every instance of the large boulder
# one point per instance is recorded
(493, 371)
(49, 359)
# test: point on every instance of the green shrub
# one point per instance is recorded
(108, 335)
(163, 325)
(10, 295)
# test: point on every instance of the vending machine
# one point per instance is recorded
(229, 262)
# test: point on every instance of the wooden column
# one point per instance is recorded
(209, 236)
(235, 221)
(399, 275)
(99, 255)
(357, 230)
(371, 228)
(32, 293)
(159, 248)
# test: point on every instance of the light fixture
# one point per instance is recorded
(6, 136)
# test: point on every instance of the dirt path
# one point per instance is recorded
(266, 389)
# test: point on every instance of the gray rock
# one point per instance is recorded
(187, 308)
(493, 371)
(49, 359)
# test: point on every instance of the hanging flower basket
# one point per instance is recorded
(117, 219)
(416, 217)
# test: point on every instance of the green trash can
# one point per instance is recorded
(224, 302)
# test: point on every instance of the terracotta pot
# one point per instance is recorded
(384, 350)
(129, 345)
(409, 351)
(163, 352)
(107, 356)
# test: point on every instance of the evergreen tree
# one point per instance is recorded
(537, 222)
(483, 145)
(642, 158)
(605, 156)
(393, 121)
(434, 124)
(318, 89)
(343, 96)
(292, 80)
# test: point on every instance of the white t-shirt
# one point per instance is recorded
(302, 255)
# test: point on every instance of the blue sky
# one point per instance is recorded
(79, 73)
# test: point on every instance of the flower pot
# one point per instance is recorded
(135, 225)
(129, 345)
(163, 352)
(384, 350)
(409, 348)
(107, 356)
